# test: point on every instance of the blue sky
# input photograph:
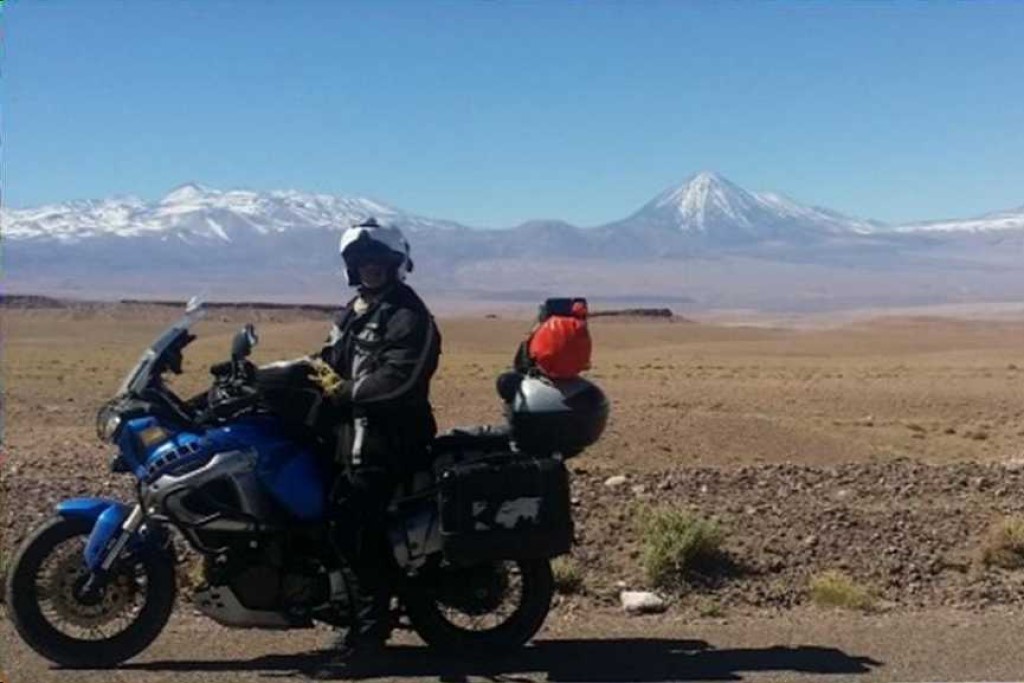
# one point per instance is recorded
(491, 113)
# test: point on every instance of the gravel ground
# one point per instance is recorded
(907, 531)
(884, 450)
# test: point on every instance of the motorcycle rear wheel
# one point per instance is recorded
(465, 630)
(53, 621)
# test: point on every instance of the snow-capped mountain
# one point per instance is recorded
(712, 210)
(706, 238)
(706, 209)
(989, 223)
(195, 214)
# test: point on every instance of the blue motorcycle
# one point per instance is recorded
(472, 533)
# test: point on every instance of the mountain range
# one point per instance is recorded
(706, 242)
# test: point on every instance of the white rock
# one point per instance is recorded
(641, 602)
(1014, 464)
(616, 481)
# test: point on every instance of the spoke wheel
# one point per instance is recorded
(58, 584)
(50, 612)
(481, 609)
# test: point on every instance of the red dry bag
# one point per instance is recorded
(560, 346)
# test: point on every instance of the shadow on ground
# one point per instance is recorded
(593, 661)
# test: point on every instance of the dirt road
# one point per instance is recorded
(803, 645)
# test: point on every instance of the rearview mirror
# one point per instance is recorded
(194, 305)
(244, 342)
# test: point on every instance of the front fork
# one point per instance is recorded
(102, 559)
(112, 548)
(115, 528)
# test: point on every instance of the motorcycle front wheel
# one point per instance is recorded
(117, 623)
(484, 609)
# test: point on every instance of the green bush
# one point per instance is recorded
(1004, 544)
(836, 589)
(676, 544)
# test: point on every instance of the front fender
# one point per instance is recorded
(108, 518)
(87, 508)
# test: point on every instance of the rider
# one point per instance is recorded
(384, 347)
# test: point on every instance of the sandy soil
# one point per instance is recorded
(884, 448)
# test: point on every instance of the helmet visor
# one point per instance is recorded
(363, 253)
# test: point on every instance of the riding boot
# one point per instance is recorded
(368, 596)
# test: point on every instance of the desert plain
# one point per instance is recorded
(882, 447)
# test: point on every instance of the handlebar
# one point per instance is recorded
(233, 390)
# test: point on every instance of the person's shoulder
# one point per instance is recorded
(406, 312)
(402, 296)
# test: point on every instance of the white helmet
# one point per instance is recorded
(371, 240)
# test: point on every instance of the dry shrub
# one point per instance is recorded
(1004, 544)
(676, 544)
(191, 574)
(836, 589)
(568, 576)
(710, 609)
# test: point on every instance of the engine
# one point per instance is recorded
(271, 588)
(264, 587)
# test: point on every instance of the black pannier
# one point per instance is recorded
(504, 506)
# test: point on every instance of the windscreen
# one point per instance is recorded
(138, 377)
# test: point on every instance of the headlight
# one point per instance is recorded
(108, 427)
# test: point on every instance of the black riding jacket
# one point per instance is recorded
(386, 355)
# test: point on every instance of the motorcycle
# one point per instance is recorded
(472, 533)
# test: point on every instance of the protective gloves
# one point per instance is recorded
(331, 383)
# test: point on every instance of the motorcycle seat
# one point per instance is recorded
(482, 439)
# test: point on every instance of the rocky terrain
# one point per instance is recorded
(909, 531)
(885, 449)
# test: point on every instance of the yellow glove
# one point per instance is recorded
(326, 378)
